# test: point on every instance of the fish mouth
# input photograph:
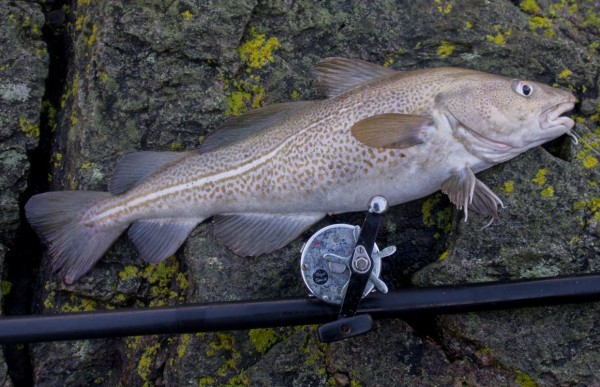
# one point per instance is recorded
(552, 119)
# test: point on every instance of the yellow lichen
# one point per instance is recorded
(87, 165)
(496, 39)
(5, 287)
(263, 339)
(145, 363)
(128, 272)
(445, 49)
(80, 22)
(444, 7)
(590, 161)
(530, 6)
(295, 95)
(427, 210)
(540, 177)
(468, 25)
(444, 255)
(524, 380)
(187, 15)
(548, 191)
(184, 341)
(564, 74)
(236, 103)
(206, 382)
(92, 37)
(508, 187)
(258, 51)
(30, 130)
(103, 77)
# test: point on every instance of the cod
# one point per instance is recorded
(266, 176)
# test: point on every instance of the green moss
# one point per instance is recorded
(258, 51)
(263, 339)
(30, 130)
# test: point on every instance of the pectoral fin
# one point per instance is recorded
(256, 234)
(157, 239)
(391, 130)
(468, 193)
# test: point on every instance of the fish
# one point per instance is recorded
(268, 175)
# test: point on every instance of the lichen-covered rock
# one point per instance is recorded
(23, 70)
(160, 76)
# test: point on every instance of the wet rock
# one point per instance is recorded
(160, 76)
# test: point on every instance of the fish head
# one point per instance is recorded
(499, 118)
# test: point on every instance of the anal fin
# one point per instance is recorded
(157, 239)
(256, 234)
(469, 193)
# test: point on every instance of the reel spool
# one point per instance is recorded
(326, 259)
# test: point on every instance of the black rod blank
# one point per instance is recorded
(296, 311)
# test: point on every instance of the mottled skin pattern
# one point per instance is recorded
(274, 172)
(310, 162)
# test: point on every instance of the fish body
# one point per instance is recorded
(268, 175)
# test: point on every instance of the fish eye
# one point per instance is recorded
(523, 88)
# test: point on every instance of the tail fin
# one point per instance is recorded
(73, 247)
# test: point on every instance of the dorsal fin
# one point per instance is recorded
(240, 127)
(337, 75)
(133, 167)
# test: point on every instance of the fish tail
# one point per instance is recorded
(74, 247)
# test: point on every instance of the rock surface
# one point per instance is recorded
(160, 76)
(23, 71)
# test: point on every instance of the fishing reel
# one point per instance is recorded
(340, 265)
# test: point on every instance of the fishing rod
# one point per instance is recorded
(242, 315)
(340, 265)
